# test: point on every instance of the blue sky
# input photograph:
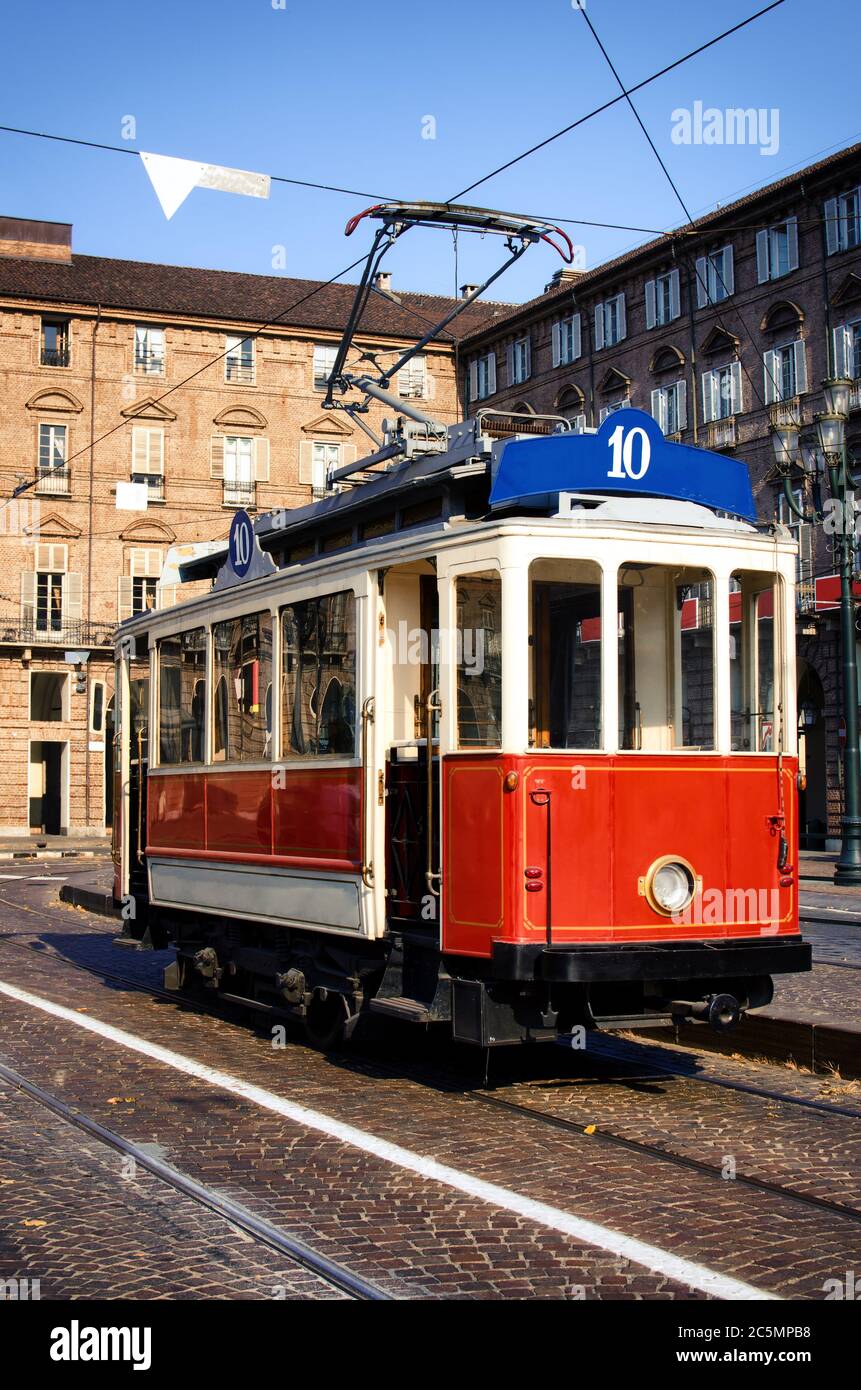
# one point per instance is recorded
(338, 92)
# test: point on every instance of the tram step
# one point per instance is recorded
(409, 1010)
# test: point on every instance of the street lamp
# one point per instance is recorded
(827, 453)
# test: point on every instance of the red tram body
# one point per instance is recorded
(330, 807)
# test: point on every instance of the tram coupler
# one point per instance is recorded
(722, 1012)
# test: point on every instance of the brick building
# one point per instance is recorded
(92, 353)
(720, 330)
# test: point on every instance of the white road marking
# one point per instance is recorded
(47, 878)
(687, 1272)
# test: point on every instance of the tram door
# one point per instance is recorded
(137, 724)
(412, 621)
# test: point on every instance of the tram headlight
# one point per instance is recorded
(670, 886)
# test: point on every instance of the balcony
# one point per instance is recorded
(241, 373)
(805, 596)
(786, 412)
(855, 396)
(53, 482)
(55, 357)
(722, 433)
(239, 494)
(149, 363)
(71, 635)
(154, 485)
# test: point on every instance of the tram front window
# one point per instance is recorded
(479, 660)
(565, 652)
(242, 673)
(755, 675)
(666, 658)
(181, 698)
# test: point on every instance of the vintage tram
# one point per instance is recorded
(501, 737)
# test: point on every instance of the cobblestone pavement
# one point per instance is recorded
(385, 1222)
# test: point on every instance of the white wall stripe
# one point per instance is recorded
(687, 1272)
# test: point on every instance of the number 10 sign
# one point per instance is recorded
(241, 544)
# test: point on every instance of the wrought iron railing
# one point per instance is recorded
(154, 485)
(78, 633)
(55, 357)
(243, 372)
(149, 363)
(722, 433)
(239, 494)
(55, 481)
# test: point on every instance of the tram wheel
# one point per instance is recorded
(326, 1020)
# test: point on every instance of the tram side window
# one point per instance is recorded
(181, 698)
(755, 674)
(242, 673)
(565, 650)
(318, 677)
(479, 660)
(666, 658)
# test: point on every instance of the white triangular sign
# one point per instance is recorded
(172, 179)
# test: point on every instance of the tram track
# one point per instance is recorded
(604, 1051)
(263, 1232)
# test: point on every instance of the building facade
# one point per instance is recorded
(720, 330)
(136, 415)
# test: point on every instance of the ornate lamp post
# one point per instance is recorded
(828, 452)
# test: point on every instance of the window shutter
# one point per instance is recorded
(491, 373)
(658, 407)
(509, 364)
(28, 598)
(261, 460)
(156, 451)
(623, 331)
(576, 349)
(124, 597)
(832, 228)
(708, 397)
(769, 360)
(702, 282)
(599, 326)
(306, 461)
(556, 344)
(348, 454)
(675, 296)
(145, 564)
(473, 381)
(52, 559)
(682, 399)
(792, 242)
(216, 456)
(165, 595)
(761, 256)
(735, 382)
(800, 366)
(650, 304)
(140, 449)
(841, 351)
(72, 598)
(528, 357)
(727, 270)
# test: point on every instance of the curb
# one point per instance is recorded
(820, 1046)
(90, 899)
(7, 855)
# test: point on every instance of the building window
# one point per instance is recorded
(182, 698)
(51, 597)
(324, 361)
(239, 361)
(777, 250)
(53, 475)
(47, 697)
(239, 488)
(715, 277)
(663, 302)
(137, 591)
(412, 379)
(611, 409)
(482, 377)
(325, 458)
(669, 407)
(566, 344)
(149, 351)
(843, 222)
(242, 675)
(318, 677)
(722, 392)
(148, 460)
(785, 370)
(847, 351)
(55, 343)
(610, 325)
(479, 671)
(518, 361)
(97, 708)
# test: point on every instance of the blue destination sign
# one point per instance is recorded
(628, 455)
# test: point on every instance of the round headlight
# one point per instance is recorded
(672, 887)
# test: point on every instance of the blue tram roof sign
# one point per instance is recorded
(628, 455)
